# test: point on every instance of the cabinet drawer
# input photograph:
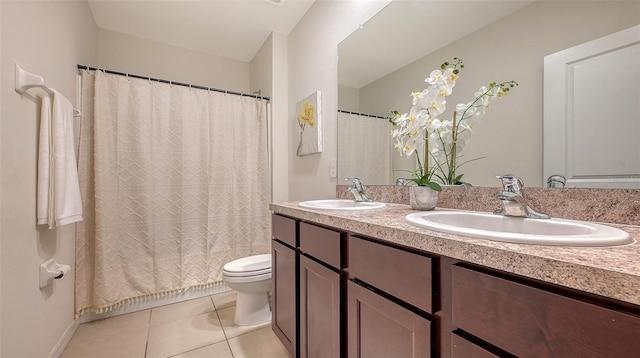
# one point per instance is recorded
(461, 348)
(402, 274)
(323, 244)
(528, 321)
(284, 229)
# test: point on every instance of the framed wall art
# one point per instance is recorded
(309, 118)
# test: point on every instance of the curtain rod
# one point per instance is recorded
(88, 68)
(361, 114)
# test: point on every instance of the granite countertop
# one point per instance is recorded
(608, 271)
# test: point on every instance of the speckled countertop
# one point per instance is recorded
(608, 271)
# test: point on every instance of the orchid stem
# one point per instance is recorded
(452, 163)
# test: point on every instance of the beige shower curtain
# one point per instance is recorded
(175, 183)
(364, 144)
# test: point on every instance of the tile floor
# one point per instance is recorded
(201, 327)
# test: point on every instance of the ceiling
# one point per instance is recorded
(233, 29)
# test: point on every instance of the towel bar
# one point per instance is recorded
(26, 80)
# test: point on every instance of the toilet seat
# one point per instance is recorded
(248, 266)
(246, 279)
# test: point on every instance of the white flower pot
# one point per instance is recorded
(422, 198)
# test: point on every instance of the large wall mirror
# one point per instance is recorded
(380, 64)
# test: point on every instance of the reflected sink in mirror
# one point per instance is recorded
(341, 204)
(558, 232)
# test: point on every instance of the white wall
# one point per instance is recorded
(130, 54)
(1, 240)
(279, 118)
(47, 38)
(260, 73)
(510, 135)
(269, 74)
(313, 55)
(348, 98)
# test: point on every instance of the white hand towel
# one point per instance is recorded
(66, 189)
(45, 162)
(59, 200)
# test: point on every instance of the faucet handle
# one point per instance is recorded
(511, 183)
(357, 183)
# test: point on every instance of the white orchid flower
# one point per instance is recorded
(423, 121)
(434, 77)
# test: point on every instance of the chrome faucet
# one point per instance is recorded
(556, 181)
(358, 190)
(514, 201)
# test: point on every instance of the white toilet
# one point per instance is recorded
(251, 278)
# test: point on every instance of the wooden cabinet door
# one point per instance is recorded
(378, 327)
(320, 310)
(283, 307)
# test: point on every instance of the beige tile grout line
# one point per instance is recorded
(146, 345)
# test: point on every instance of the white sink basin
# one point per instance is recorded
(489, 226)
(341, 204)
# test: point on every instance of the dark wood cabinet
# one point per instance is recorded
(378, 327)
(323, 244)
(321, 291)
(525, 320)
(308, 288)
(285, 230)
(390, 295)
(320, 310)
(284, 278)
(400, 273)
(463, 348)
(342, 295)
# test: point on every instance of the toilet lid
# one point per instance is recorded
(249, 264)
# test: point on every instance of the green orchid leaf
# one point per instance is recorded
(433, 185)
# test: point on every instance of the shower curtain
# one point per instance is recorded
(364, 144)
(175, 183)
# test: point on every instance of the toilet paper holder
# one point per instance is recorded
(50, 270)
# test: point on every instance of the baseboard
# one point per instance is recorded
(57, 350)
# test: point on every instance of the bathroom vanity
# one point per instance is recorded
(308, 298)
(366, 283)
